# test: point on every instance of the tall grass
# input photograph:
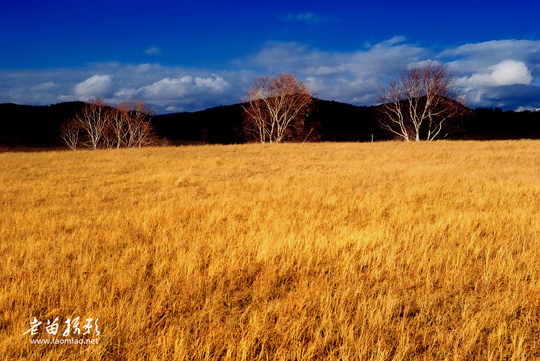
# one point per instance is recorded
(384, 251)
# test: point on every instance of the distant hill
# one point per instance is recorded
(25, 125)
(37, 126)
(214, 125)
(338, 122)
(497, 124)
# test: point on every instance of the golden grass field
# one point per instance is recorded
(375, 251)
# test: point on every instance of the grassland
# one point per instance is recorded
(383, 251)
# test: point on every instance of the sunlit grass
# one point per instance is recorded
(294, 251)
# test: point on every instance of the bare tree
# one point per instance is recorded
(276, 108)
(69, 132)
(117, 124)
(102, 126)
(144, 132)
(136, 118)
(93, 122)
(418, 104)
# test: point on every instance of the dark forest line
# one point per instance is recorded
(37, 126)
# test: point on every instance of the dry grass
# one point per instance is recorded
(384, 251)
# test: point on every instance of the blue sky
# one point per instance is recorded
(186, 56)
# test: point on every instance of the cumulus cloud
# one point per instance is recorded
(166, 88)
(508, 72)
(169, 90)
(214, 83)
(95, 86)
(181, 92)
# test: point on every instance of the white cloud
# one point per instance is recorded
(173, 89)
(215, 83)
(166, 88)
(94, 86)
(181, 92)
(507, 72)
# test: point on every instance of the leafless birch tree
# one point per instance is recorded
(276, 108)
(117, 124)
(93, 122)
(69, 132)
(417, 105)
(100, 126)
(140, 131)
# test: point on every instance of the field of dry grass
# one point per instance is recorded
(383, 251)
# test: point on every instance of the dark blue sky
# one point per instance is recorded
(191, 55)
